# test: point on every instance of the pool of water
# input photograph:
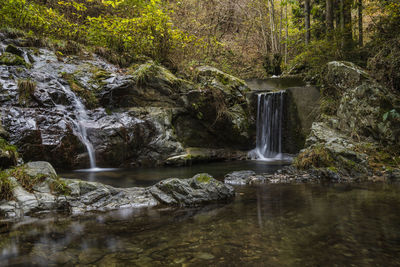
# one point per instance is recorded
(150, 176)
(265, 225)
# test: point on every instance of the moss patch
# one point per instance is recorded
(145, 73)
(59, 186)
(88, 96)
(12, 60)
(203, 178)
(316, 157)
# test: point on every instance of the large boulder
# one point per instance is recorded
(218, 106)
(363, 103)
(148, 84)
(359, 136)
(201, 188)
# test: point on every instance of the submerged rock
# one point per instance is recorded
(51, 193)
(285, 175)
(239, 177)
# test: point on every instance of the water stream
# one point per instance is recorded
(269, 126)
(80, 123)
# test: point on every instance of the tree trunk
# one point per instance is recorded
(329, 19)
(307, 20)
(287, 32)
(347, 33)
(360, 24)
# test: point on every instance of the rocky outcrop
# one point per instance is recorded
(355, 139)
(138, 116)
(218, 106)
(47, 192)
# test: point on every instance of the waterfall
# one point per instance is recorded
(269, 126)
(80, 123)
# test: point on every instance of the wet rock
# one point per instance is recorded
(12, 60)
(213, 111)
(201, 188)
(80, 196)
(362, 103)
(239, 177)
(14, 50)
(288, 174)
(345, 144)
(40, 167)
(137, 117)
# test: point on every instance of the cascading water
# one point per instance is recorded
(80, 123)
(269, 126)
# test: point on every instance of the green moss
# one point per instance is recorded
(316, 157)
(333, 169)
(4, 145)
(26, 89)
(145, 73)
(203, 178)
(88, 96)
(12, 60)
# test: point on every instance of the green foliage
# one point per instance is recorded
(145, 31)
(317, 54)
(4, 145)
(392, 114)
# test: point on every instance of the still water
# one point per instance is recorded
(267, 225)
(150, 176)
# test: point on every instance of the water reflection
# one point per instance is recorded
(150, 176)
(269, 225)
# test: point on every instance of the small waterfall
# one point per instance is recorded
(80, 123)
(269, 126)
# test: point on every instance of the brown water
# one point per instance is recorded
(268, 225)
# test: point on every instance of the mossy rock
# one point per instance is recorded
(203, 178)
(214, 77)
(10, 59)
(88, 96)
(153, 75)
(314, 157)
(14, 50)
